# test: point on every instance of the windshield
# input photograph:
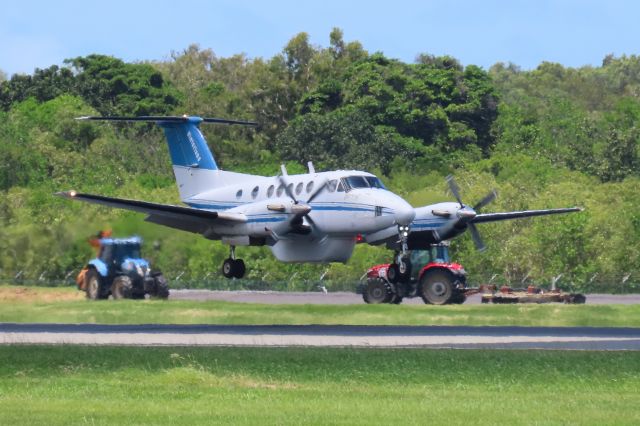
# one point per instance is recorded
(127, 251)
(355, 182)
(374, 182)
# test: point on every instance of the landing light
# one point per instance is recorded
(73, 193)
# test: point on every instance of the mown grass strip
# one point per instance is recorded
(48, 305)
(117, 385)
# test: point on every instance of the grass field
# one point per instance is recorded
(118, 385)
(32, 304)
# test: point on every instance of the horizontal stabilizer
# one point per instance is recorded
(494, 217)
(168, 119)
(156, 210)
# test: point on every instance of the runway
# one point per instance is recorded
(347, 298)
(563, 338)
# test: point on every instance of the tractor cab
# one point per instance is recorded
(122, 253)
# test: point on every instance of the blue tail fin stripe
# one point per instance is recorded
(187, 145)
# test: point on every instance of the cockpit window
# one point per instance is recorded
(355, 182)
(374, 182)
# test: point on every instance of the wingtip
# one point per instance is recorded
(66, 194)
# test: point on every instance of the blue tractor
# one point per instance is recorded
(120, 271)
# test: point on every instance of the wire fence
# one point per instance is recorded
(622, 283)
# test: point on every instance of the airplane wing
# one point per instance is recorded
(183, 218)
(494, 217)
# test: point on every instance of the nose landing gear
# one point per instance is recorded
(232, 267)
(401, 268)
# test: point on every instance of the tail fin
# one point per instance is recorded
(194, 167)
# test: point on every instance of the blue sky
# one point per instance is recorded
(574, 33)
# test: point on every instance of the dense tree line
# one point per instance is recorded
(549, 137)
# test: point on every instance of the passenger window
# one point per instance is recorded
(309, 187)
(270, 191)
(331, 185)
(239, 194)
(299, 188)
(290, 188)
(255, 191)
(280, 190)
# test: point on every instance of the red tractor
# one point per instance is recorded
(429, 274)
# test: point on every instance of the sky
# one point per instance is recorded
(36, 34)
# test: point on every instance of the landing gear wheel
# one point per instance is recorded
(393, 273)
(395, 299)
(436, 287)
(376, 291)
(228, 268)
(121, 287)
(404, 268)
(94, 285)
(238, 268)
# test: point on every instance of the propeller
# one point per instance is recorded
(466, 213)
(301, 209)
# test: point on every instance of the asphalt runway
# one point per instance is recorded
(347, 298)
(559, 338)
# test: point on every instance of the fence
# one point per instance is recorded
(622, 283)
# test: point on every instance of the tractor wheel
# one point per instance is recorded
(393, 273)
(162, 287)
(121, 288)
(238, 268)
(376, 291)
(436, 287)
(94, 285)
(228, 268)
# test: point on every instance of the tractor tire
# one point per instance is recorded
(436, 287)
(94, 285)
(162, 286)
(121, 287)
(377, 291)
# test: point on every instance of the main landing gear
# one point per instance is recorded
(232, 267)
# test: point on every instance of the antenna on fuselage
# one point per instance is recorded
(283, 170)
(312, 169)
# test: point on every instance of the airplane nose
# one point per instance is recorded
(404, 215)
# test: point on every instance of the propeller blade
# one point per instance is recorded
(453, 187)
(486, 200)
(287, 189)
(317, 191)
(475, 235)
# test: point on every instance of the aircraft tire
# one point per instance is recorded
(228, 268)
(436, 287)
(238, 268)
(393, 273)
(121, 287)
(395, 299)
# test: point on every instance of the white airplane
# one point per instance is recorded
(311, 217)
